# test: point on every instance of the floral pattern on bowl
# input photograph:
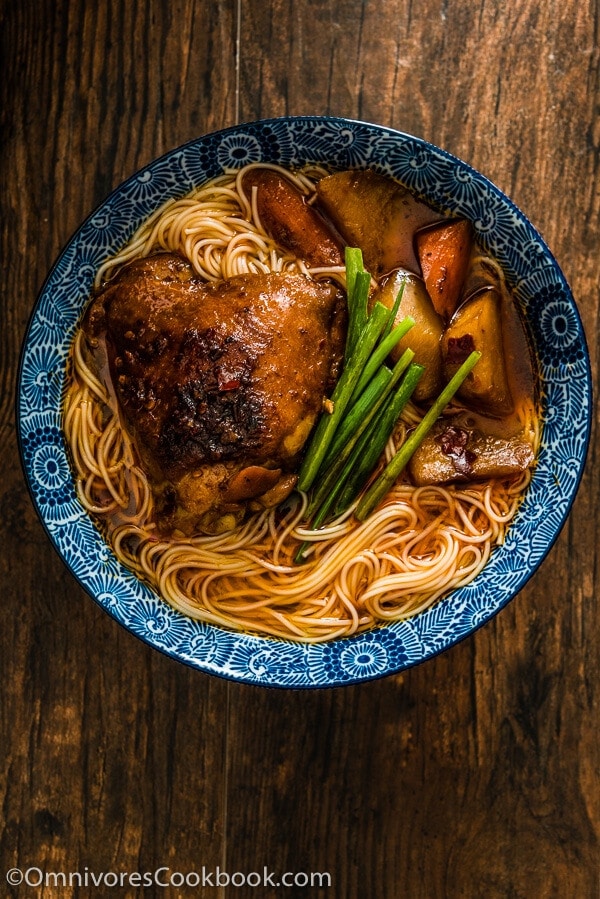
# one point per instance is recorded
(554, 328)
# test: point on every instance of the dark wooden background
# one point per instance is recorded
(474, 775)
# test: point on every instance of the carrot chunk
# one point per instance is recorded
(291, 222)
(444, 253)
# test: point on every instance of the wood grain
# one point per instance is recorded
(474, 775)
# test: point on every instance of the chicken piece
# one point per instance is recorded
(219, 383)
(453, 451)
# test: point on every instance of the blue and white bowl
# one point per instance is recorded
(556, 336)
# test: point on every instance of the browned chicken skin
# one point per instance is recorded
(220, 383)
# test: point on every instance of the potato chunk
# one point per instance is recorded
(378, 215)
(425, 335)
(453, 452)
(478, 326)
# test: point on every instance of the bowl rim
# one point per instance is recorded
(262, 648)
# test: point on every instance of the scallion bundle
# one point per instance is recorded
(396, 466)
(365, 406)
(365, 403)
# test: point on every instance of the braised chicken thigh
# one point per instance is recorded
(219, 383)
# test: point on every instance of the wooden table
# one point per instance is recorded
(473, 775)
